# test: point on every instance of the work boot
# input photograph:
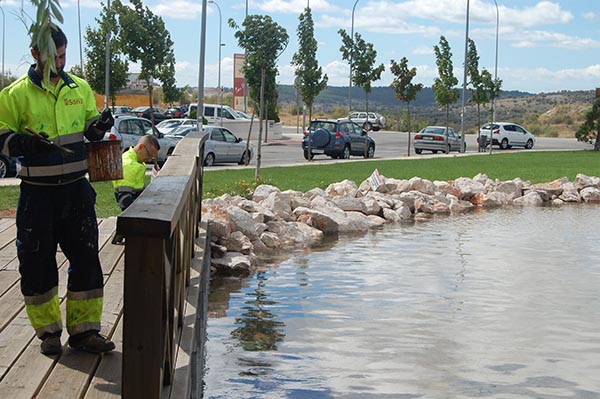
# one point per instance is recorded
(91, 341)
(51, 345)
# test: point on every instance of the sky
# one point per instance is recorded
(543, 46)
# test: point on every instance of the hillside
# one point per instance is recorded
(550, 114)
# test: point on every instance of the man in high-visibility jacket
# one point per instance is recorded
(134, 170)
(56, 202)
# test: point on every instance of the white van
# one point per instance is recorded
(214, 112)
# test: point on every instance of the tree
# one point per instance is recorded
(479, 82)
(41, 35)
(444, 84)
(590, 129)
(364, 72)
(404, 89)
(309, 75)
(95, 52)
(145, 39)
(263, 40)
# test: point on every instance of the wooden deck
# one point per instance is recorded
(26, 373)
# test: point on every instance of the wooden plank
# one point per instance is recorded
(8, 278)
(5, 223)
(8, 237)
(182, 385)
(143, 329)
(106, 383)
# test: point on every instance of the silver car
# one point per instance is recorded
(129, 129)
(223, 146)
(374, 121)
(435, 139)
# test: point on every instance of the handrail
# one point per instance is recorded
(160, 229)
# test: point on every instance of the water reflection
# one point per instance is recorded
(500, 304)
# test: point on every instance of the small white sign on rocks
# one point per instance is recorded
(375, 180)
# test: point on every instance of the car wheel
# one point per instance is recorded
(529, 144)
(371, 151)
(367, 126)
(3, 168)
(504, 144)
(418, 151)
(307, 157)
(210, 159)
(346, 152)
(243, 159)
(432, 151)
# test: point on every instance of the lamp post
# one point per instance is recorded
(351, 52)
(3, 26)
(219, 78)
(80, 39)
(200, 104)
(464, 88)
(495, 75)
(245, 81)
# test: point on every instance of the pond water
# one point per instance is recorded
(499, 304)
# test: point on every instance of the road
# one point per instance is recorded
(389, 145)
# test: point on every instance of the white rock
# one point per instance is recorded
(345, 188)
(233, 263)
(590, 195)
(532, 198)
(496, 199)
(261, 192)
(241, 220)
(570, 193)
(468, 188)
(237, 242)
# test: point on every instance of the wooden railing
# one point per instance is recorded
(161, 230)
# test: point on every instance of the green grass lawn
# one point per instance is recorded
(534, 166)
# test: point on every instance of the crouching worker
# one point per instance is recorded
(134, 171)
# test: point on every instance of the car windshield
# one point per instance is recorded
(489, 126)
(434, 130)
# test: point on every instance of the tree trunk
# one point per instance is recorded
(478, 127)
(408, 122)
(263, 73)
(447, 127)
(367, 123)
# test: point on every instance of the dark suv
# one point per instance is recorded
(337, 139)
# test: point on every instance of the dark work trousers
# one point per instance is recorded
(64, 215)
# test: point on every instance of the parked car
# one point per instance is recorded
(435, 139)
(174, 112)
(120, 109)
(374, 122)
(168, 125)
(144, 112)
(181, 131)
(223, 146)
(129, 129)
(8, 166)
(214, 112)
(337, 139)
(506, 135)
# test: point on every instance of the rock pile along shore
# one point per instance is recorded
(243, 229)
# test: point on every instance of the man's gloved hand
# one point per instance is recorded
(21, 144)
(105, 121)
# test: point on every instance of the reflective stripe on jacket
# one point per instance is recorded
(63, 112)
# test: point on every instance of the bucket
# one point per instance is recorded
(104, 160)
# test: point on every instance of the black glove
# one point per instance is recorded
(105, 121)
(21, 144)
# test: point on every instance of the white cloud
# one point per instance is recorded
(179, 9)
(422, 50)
(294, 6)
(553, 39)
(590, 16)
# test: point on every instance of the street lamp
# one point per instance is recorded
(80, 40)
(107, 62)
(464, 88)
(220, 45)
(495, 74)
(245, 81)
(351, 52)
